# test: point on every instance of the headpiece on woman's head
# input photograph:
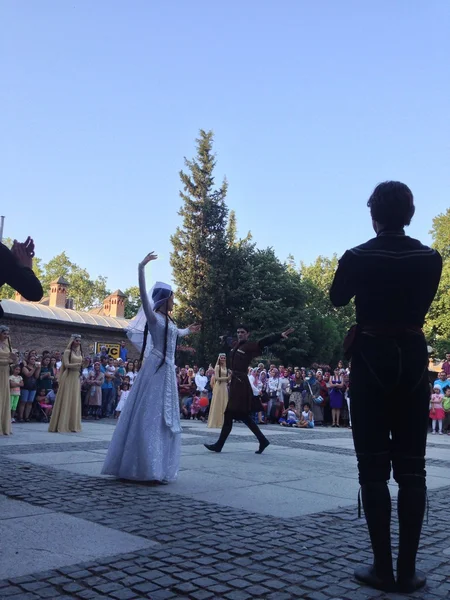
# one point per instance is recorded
(157, 295)
(4, 329)
(161, 293)
(75, 336)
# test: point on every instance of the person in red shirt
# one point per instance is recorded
(446, 364)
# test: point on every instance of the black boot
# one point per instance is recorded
(225, 432)
(377, 509)
(411, 504)
(263, 441)
(212, 447)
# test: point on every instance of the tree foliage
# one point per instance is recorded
(200, 248)
(85, 291)
(133, 302)
(223, 280)
(441, 234)
(437, 325)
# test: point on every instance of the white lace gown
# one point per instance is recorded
(146, 444)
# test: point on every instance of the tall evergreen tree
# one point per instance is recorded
(437, 324)
(200, 249)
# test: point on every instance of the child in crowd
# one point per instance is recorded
(42, 399)
(446, 407)
(199, 406)
(290, 416)
(307, 418)
(15, 383)
(51, 396)
(123, 396)
(437, 413)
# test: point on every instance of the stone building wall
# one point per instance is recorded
(40, 334)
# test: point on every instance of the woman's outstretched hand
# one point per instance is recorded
(150, 256)
(194, 328)
(287, 333)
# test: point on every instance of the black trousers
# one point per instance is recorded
(390, 397)
(228, 426)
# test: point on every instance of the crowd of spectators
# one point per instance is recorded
(281, 394)
(290, 396)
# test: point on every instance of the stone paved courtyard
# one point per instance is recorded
(235, 525)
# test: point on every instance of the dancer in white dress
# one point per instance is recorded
(146, 444)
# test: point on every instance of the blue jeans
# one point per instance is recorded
(107, 401)
(27, 396)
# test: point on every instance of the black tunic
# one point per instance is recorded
(240, 396)
(393, 278)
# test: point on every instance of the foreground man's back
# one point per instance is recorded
(393, 279)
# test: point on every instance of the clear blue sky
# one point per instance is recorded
(312, 103)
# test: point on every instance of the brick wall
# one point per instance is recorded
(39, 334)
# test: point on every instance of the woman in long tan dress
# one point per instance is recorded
(6, 358)
(219, 399)
(66, 415)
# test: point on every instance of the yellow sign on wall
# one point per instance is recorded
(113, 349)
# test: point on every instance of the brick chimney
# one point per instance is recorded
(58, 293)
(114, 304)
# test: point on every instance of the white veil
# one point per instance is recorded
(135, 329)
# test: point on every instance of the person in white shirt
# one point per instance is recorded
(201, 381)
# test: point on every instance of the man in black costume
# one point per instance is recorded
(240, 398)
(393, 279)
(16, 270)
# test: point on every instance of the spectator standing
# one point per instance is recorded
(446, 364)
(336, 397)
(297, 389)
(46, 376)
(130, 373)
(30, 374)
(201, 381)
(123, 351)
(15, 383)
(313, 397)
(441, 381)
(275, 398)
(285, 387)
(96, 380)
(437, 413)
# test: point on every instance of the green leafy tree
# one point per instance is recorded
(84, 291)
(200, 249)
(273, 301)
(441, 234)
(133, 302)
(437, 325)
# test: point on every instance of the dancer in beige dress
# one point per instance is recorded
(7, 357)
(220, 393)
(66, 415)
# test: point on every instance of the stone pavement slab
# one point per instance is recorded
(49, 540)
(14, 509)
